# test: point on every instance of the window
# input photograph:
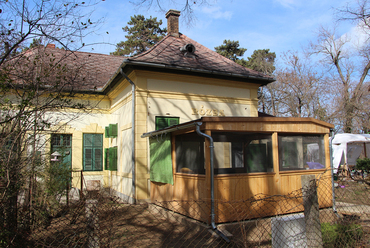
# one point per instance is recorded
(242, 152)
(92, 152)
(234, 152)
(163, 122)
(190, 154)
(111, 158)
(61, 140)
(298, 152)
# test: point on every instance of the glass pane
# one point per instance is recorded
(301, 152)
(98, 140)
(67, 140)
(255, 157)
(55, 140)
(240, 152)
(237, 155)
(88, 139)
(190, 154)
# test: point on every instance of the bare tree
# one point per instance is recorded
(64, 23)
(298, 90)
(185, 6)
(357, 13)
(348, 69)
(36, 86)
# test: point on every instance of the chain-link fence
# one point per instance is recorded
(100, 220)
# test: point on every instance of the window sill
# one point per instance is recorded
(301, 171)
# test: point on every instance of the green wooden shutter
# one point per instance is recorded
(107, 132)
(163, 122)
(98, 159)
(161, 160)
(113, 158)
(87, 161)
(173, 121)
(106, 158)
(160, 123)
(113, 132)
(98, 151)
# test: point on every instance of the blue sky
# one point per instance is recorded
(279, 25)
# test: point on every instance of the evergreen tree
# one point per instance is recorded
(35, 43)
(231, 50)
(143, 33)
(262, 60)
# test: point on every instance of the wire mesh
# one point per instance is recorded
(101, 220)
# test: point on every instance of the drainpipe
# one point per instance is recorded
(132, 135)
(211, 149)
(332, 169)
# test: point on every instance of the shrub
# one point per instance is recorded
(341, 235)
(363, 164)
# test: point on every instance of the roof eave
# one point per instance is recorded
(126, 62)
(139, 63)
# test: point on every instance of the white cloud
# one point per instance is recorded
(287, 3)
(359, 36)
(216, 13)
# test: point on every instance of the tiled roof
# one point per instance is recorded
(92, 72)
(84, 71)
(167, 53)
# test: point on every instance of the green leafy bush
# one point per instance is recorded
(341, 235)
(363, 164)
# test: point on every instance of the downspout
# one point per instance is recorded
(332, 169)
(133, 88)
(211, 151)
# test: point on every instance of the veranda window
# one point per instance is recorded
(233, 153)
(301, 152)
(190, 154)
(242, 152)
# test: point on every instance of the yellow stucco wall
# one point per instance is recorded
(157, 94)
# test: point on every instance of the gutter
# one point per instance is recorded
(127, 61)
(133, 88)
(211, 150)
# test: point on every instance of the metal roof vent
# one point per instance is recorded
(188, 49)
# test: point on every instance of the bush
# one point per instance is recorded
(363, 164)
(341, 235)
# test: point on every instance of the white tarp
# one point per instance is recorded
(346, 148)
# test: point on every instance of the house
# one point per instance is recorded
(180, 83)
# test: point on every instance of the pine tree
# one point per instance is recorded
(231, 50)
(262, 60)
(143, 33)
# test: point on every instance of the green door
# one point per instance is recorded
(61, 170)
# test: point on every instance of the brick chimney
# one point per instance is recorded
(50, 45)
(173, 22)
